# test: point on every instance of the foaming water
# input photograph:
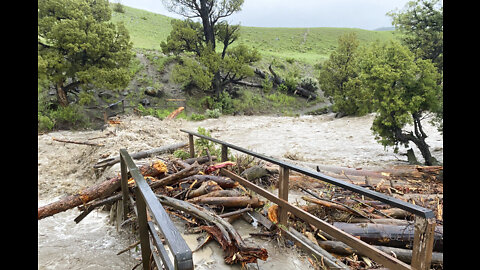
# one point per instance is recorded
(90, 244)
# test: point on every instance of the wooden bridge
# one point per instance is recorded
(145, 198)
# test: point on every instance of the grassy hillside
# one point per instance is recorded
(308, 45)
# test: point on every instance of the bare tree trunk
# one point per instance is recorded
(62, 95)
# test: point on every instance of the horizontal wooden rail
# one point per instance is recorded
(146, 199)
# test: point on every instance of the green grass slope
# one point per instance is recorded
(307, 45)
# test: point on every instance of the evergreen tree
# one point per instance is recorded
(78, 45)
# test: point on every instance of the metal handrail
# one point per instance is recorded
(146, 199)
(412, 208)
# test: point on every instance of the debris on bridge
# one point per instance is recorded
(194, 191)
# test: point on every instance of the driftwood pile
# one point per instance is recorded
(193, 190)
(388, 229)
(190, 189)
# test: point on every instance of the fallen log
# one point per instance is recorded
(75, 142)
(200, 160)
(242, 201)
(222, 193)
(388, 235)
(305, 243)
(141, 154)
(405, 255)
(101, 190)
(232, 243)
(335, 205)
(222, 181)
(173, 178)
(304, 93)
(107, 188)
(175, 113)
(205, 187)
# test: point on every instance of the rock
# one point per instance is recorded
(150, 91)
(145, 102)
(254, 172)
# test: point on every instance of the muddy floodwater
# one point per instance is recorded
(64, 169)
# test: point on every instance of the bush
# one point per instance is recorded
(44, 123)
(309, 84)
(215, 113)
(181, 154)
(267, 85)
(72, 116)
(191, 73)
(118, 7)
(197, 117)
(282, 88)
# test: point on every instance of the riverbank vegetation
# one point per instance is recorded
(126, 60)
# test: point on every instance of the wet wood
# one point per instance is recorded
(405, 255)
(174, 178)
(104, 189)
(222, 193)
(222, 181)
(200, 160)
(77, 142)
(242, 201)
(141, 154)
(388, 235)
(223, 232)
(174, 114)
(205, 187)
(330, 261)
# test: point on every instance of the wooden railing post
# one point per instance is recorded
(423, 243)
(283, 193)
(224, 153)
(190, 144)
(143, 228)
(124, 185)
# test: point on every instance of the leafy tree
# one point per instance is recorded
(229, 66)
(404, 90)
(421, 25)
(201, 39)
(78, 45)
(338, 78)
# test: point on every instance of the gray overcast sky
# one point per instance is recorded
(365, 14)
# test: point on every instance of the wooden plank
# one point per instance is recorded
(124, 186)
(161, 249)
(370, 251)
(283, 194)
(423, 243)
(143, 228)
(191, 146)
(224, 153)
(314, 249)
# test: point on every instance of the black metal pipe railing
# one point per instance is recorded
(414, 209)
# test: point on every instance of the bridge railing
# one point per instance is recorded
(146, 199)
(424, 218)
